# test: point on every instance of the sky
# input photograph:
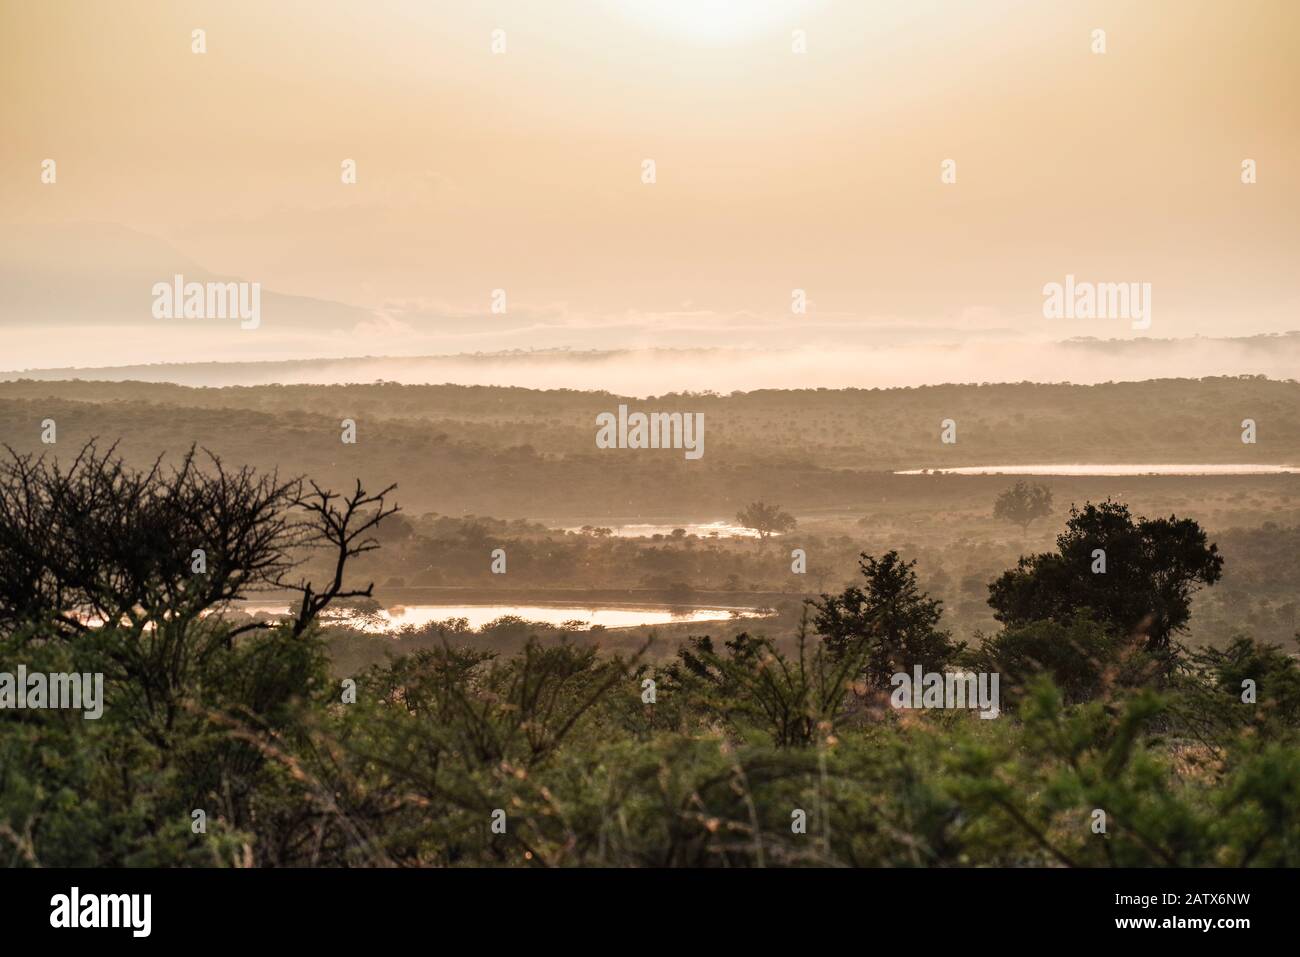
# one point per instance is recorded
(523, 170)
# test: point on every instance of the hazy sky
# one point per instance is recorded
(523, 170)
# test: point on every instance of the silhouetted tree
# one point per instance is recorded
(1023, 503)
(97, 543)
(1151, 569)
(765, 519)
(343, 527)
(899, 621)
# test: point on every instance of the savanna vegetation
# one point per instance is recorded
(754, 748)
(484, 468)
(526, 453)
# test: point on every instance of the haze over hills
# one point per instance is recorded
(547, 435)
(99, 276)
(477, 466)
(75, 302)
(529, 453)
(655, 371)
(907, 278)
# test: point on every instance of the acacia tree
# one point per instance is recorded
(95, 542)
(1023, 504)
(113, 570)
(765, 519)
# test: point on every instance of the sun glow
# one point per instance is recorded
(715, 20)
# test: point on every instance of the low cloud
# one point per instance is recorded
(647, 372)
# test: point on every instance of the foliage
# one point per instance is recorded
(897, 621)
(754, 686)
(1023, 503)
(1152, 568)
(1082, 657)
(765, 519)
(555, 756)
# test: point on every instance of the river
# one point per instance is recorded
(1086, 469)
(477, 616)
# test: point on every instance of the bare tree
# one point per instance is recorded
(342, 525)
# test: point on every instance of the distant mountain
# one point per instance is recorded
(102, 274)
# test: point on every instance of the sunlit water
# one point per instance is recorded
(701, 529)
(477, 616)
(1108, 470)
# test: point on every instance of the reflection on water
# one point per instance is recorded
(701, 529)
(1108, 470)
(479, 615)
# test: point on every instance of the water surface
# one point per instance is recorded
(1087, 469)
(477, 616)
(718, 529)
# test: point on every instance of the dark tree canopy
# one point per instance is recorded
(1023, 504)
(765, 519)
(1152, 569)
(899, 622)
(94, 542)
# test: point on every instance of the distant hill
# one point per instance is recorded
(531, 453)
(100, 275)
(658, 371)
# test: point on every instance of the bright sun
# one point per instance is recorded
(714, 20)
